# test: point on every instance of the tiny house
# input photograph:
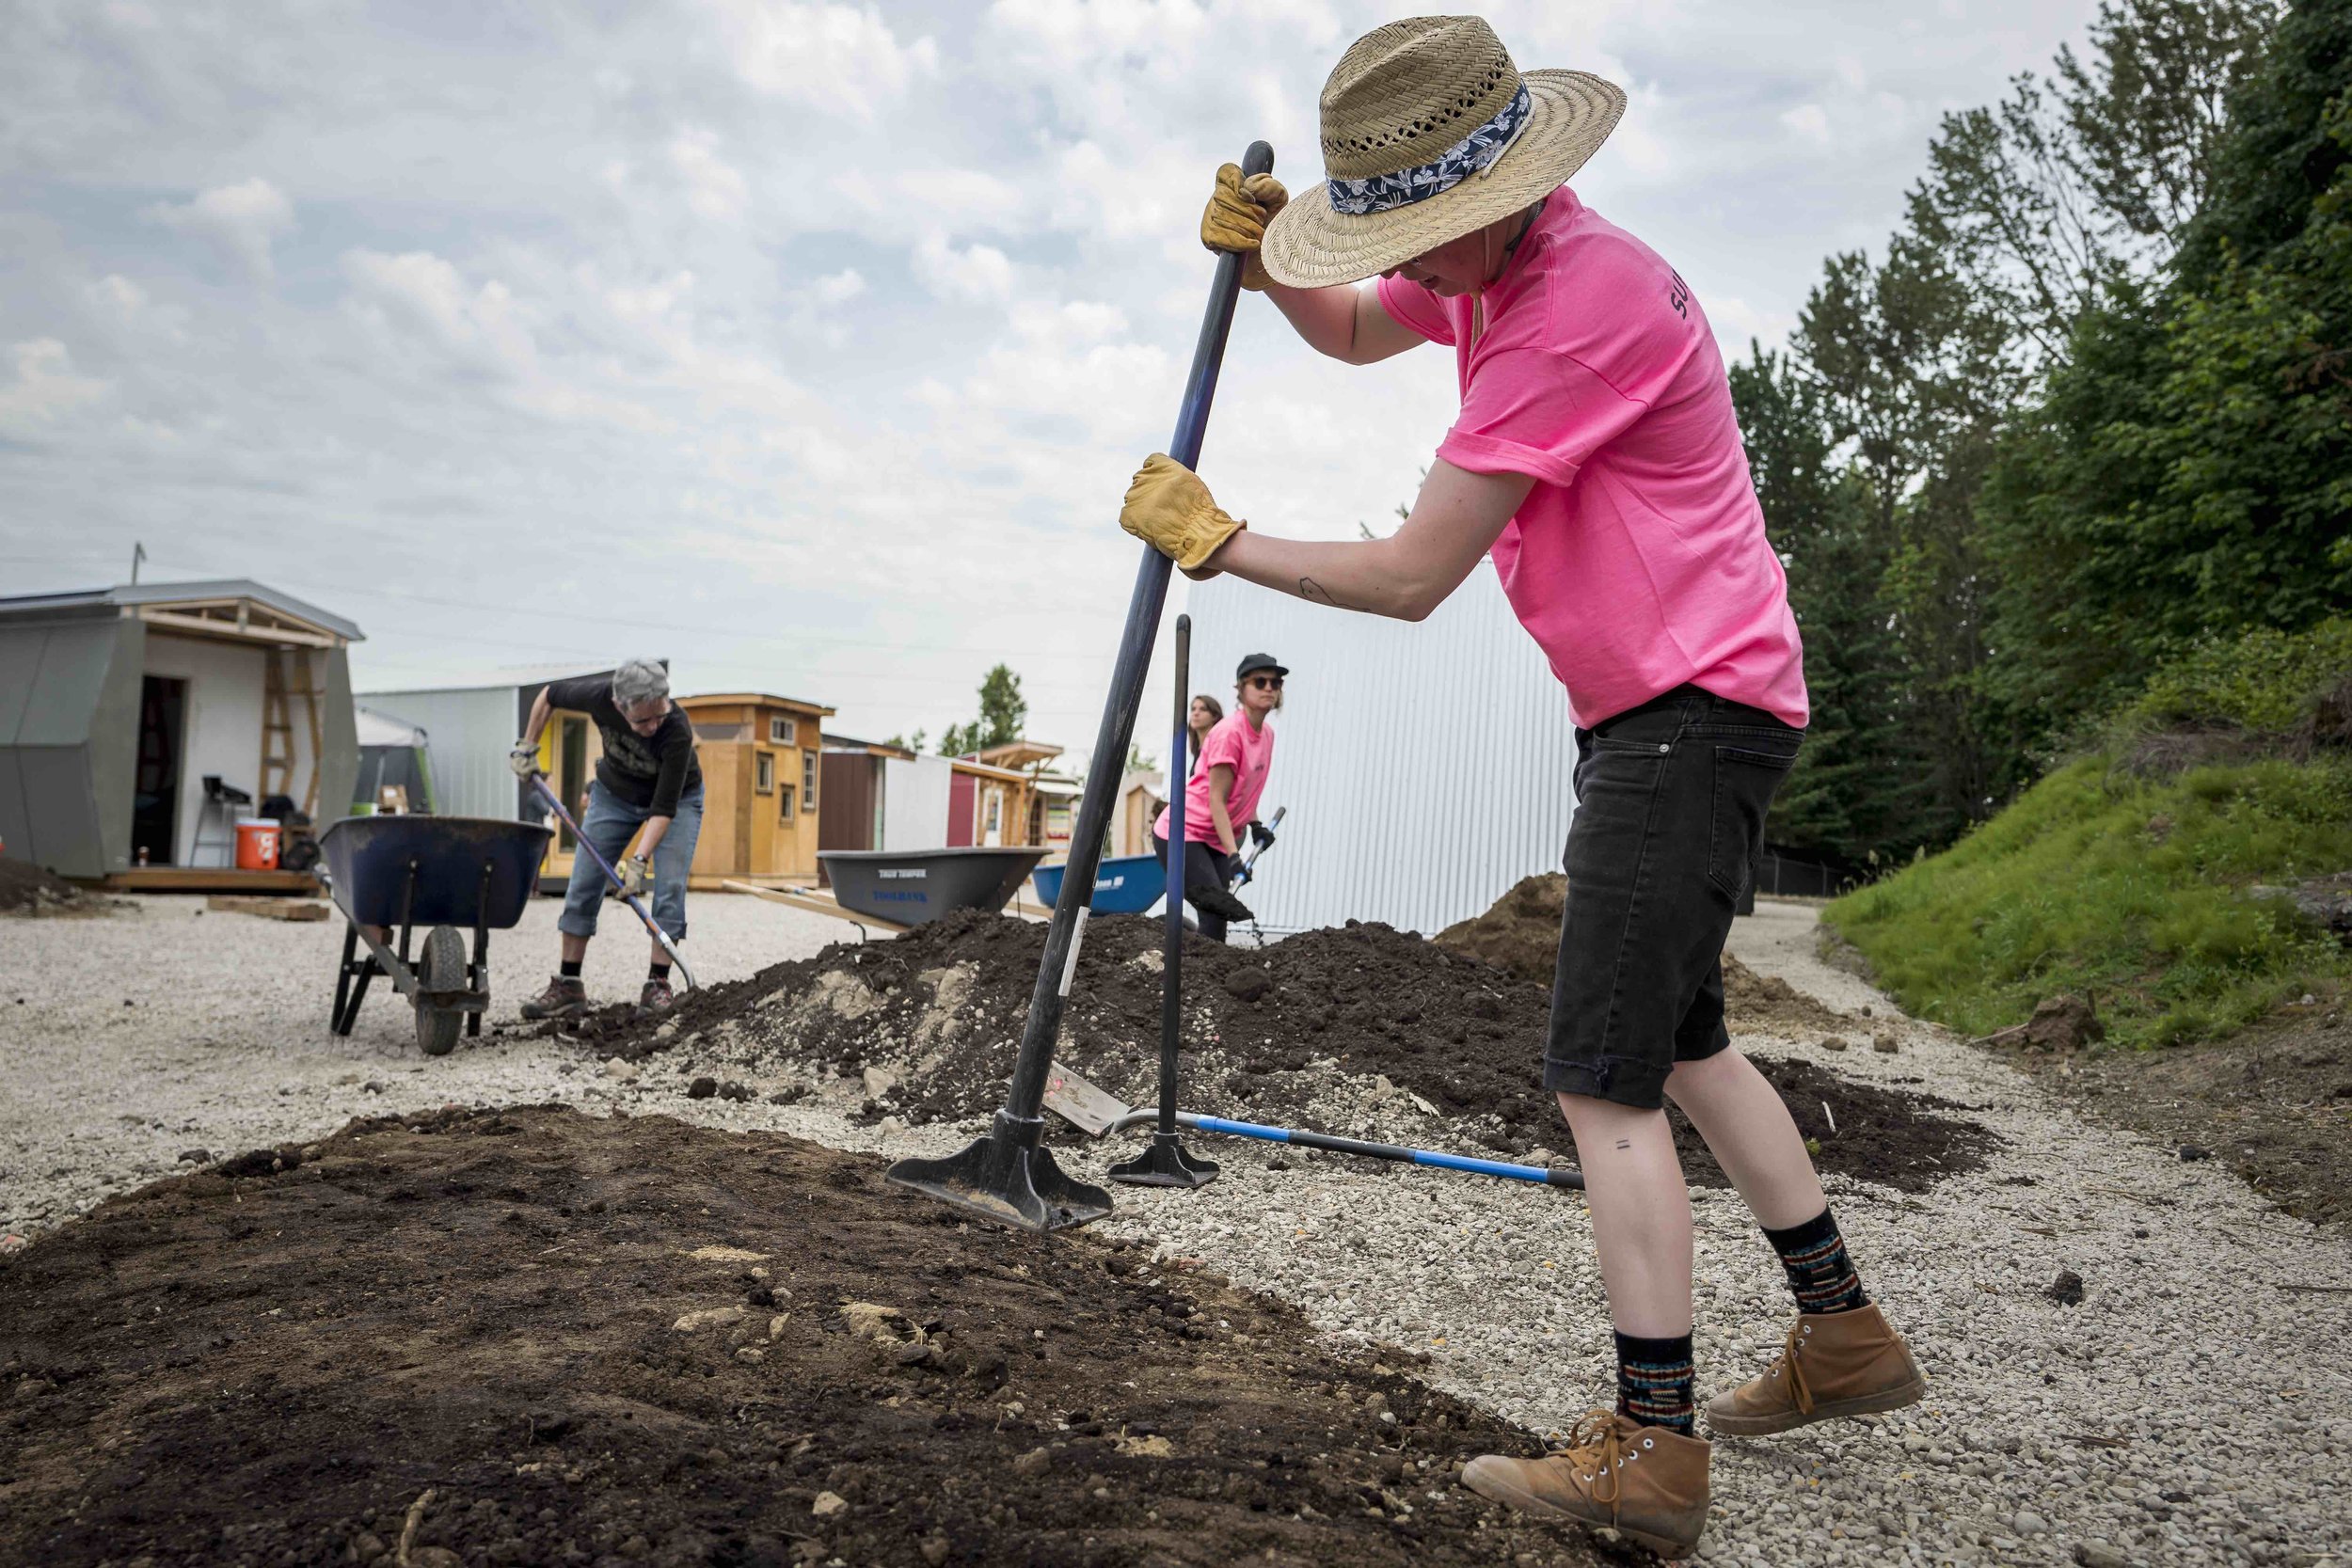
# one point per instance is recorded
(763, 783)
(138, 723)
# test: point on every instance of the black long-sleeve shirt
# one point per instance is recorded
(648, 771)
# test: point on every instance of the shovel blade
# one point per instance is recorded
(1079, 1103)
(1009, 1181)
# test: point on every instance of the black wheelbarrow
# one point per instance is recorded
(443, 873)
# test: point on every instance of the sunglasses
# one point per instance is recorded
(1266, 683)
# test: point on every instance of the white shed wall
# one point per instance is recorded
(223, 729)
(1426, 766)
(915, 803)
(468, 735)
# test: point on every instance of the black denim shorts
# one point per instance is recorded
(1669, 829)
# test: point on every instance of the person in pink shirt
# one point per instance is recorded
(1221, 796)
(1598, 460)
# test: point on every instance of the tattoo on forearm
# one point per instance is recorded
(1314, 593)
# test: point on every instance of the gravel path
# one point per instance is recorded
(2190, 1410)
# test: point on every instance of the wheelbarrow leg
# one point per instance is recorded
(477, 971)
(361, 970)
(337, 1023)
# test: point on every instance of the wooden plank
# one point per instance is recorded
(815, 903)
(207, 879)
(268, 908)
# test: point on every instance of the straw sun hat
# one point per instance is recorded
(1430, 132)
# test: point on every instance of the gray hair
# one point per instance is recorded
(640, 681)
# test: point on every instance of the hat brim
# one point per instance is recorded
(1570, 112)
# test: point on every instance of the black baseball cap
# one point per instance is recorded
(1252, 663)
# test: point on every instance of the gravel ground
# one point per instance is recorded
(2190, 1409)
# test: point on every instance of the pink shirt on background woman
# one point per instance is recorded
(1249, 751)
(1638, 561)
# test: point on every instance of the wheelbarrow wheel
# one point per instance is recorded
(441, 967)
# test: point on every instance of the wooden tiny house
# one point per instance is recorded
(761, 786)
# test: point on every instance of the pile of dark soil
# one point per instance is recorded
(27, 889)
(1334, 1025)
(1521, 934)
(535, 1336)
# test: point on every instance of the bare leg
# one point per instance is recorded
(575, 948)
(1641, 1213)
(1751, 1136)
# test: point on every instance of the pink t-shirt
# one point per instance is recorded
(1638, 561)
(1234, 743)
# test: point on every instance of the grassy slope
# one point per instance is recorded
(2133, 886)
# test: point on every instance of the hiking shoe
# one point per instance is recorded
(1646, 1484)
(1219, 902)
(1833, 1364)
(655, 998)
(561, 999)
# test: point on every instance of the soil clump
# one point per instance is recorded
(535, 1336)
(1360, 1030)
(36, 892)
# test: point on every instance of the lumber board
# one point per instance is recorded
(815, 903)
(267, 908)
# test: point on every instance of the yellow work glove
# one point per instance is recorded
(1170, 510)
(1236, 218)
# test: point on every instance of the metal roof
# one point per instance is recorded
(164, 595)
(514, 676)
(763, 698)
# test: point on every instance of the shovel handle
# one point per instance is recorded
(539, 782)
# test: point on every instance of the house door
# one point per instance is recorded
(156, 795)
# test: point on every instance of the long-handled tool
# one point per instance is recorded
(1165, 1162)
(539, 782)
(1006, 1176)
(1258, 847)
(1548, 1176)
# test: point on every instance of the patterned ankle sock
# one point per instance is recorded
(569, 968)
(1654, 1379)
(1819, 1271)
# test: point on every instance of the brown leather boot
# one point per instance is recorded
(561, 999)
(1646, 1484)
(1833, 1364)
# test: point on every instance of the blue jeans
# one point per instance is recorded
(609, 825)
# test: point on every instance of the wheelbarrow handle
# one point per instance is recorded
(539, 782)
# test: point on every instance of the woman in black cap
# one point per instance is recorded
(1221, 798)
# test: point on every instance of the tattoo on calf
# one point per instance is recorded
(1625, 1142)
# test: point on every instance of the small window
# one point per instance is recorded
(764, 772)
(721, 732)
(808, 781)
(783, 806)
(783, 732)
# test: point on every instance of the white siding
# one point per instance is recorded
(915, 803)
(1426, 766)
(468, 735)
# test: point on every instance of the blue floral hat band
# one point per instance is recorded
(1383, 193)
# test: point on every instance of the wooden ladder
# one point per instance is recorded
(277, 732)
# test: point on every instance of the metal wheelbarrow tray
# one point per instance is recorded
(440, 872)
(1129, 884)
(913, 887)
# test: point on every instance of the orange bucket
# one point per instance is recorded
(257, 845)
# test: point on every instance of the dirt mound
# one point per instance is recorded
(1521, 934)
(535, 1336)
(27, 889)
(1360, 1030)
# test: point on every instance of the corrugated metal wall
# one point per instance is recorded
(468, 735)
(1426, 766)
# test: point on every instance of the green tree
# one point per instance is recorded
(1004, 713)
(2189, 473)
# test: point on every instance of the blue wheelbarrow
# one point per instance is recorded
(1127, 886)
(443, 873)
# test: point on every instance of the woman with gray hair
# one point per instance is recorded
(647, 778)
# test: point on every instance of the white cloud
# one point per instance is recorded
(843, 59)
(45, 386)
(1807, 122)
(242, 220)
(977, 274)
(715, 189)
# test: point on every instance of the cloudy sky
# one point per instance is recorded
(809, 344)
